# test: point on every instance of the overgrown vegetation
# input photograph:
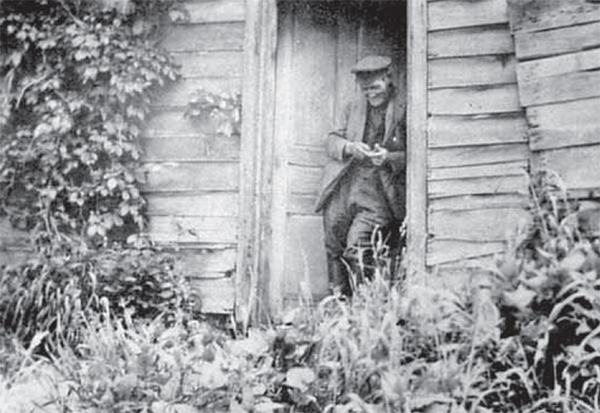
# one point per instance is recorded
(91, 328)
(525, 340)
(79, 79)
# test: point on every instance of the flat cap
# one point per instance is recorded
(372, 63)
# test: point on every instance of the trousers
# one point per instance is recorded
(350, 218)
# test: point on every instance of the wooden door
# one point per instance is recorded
(318, 44)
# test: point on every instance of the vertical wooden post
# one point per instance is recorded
(417, 137)
(258, 107)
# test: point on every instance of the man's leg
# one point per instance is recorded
(359, 251)
(336, 223)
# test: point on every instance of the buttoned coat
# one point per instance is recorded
(351, 128)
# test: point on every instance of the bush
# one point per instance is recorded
(56, 292)
(548, 291)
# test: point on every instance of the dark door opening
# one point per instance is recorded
(318, 43)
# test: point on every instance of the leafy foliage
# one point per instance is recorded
(224, 109)
(548, 290)
(56, 293)
(80, 79)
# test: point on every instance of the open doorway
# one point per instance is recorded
(317, 45)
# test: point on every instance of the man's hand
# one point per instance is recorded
(379, 156)
(357, 150)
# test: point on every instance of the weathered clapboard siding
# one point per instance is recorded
(472, 71)
(564, 124)
(191, 172)
(478, 156)
(558, 52)
(548, 14)
(472, 41)
(449, 131)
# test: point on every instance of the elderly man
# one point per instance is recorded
(363, 187)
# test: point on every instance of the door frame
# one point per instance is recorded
(257, 289)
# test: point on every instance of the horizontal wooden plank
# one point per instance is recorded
(211, 11)
(477, 202)
(557, 41)
(181, 92)
(536, 15)
(210, 64)
(191, 176)
(304, 180)
(194, 262)
(577, 121)
(577, 167)
(557, 65)
(211, 204)
(476, 171)
(205, 37)
(447, 131)
(472, 71)
(190, 230)
(483, 225)
(465, 13)
(485, 185)
(171, 122)
(203, 147)
(447, 251)
(560, 88)
(470, 42)
(581, 113)
(301, 204)
(217, 296)
(477, 155)
(307, 156)
(305, 256)
(584, 193)
(565, 137)
(476, 100)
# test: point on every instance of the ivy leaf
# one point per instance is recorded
(90, 73)
(300, 378)
(112, 183)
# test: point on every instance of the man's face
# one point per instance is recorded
(376, 87)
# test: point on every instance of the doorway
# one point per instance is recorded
(317, 45)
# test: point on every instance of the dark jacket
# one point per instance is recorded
(351, 128)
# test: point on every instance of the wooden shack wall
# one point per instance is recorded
(478, 153)
(558, 52)
(192, 172)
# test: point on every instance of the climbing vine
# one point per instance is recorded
(78, 78)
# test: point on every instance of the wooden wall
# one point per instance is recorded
(191, 172)
(477, 152)
(558, 52)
